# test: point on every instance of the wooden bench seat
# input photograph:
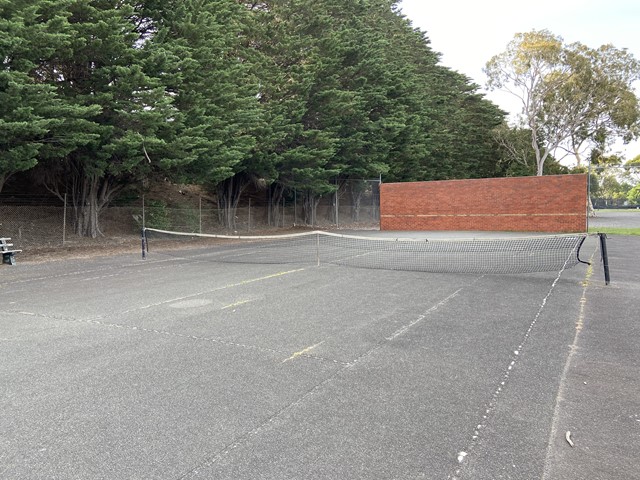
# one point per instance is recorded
(8, 253)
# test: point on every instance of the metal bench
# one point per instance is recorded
(8, 254)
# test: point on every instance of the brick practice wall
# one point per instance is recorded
(553, 203)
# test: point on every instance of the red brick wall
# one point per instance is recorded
(553, 203)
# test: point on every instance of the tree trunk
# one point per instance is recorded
(229, 192)
(591, 211)
(87, 219)
(310, 203)
(90, 194)
(356, 189)
(276, 194)
(540, 157)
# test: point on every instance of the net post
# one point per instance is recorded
(605, 257)
(317, 249)
(145, 247)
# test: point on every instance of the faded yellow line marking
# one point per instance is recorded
(279, 274)
(302, 352)
(237, 304)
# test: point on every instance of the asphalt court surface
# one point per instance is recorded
(176, 368)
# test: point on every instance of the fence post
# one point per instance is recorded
(143, 214)
(64, 220)
(314, 210)
(269, 207)
(337, 206)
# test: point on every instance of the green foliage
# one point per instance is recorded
(633, 195)
(22, 127)
(611, 181)
(352, 91)
(517, 158)
(189, 220)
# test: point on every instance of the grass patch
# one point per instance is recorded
(617, 210)
(615, 231)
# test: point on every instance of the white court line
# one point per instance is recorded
(462, 455)
(442, 303)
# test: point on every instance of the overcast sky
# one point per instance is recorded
(469, 33)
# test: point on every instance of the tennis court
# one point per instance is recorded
(183, 367)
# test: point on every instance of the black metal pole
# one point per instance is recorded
(605, 257)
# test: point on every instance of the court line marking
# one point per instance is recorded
(302, 352)
(136, 328)
(402, 330)
(122, 270)
(213, 458)
(462, 455)
(572, 351)
(217, 289)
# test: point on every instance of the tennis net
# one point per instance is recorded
(484, 256)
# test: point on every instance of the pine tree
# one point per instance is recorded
(356, 92)
(294, 149)
(99, 67)
(448, 128)
(31, 112)
(200, 52)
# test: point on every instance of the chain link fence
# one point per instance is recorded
(35, 222)
(32, 220)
